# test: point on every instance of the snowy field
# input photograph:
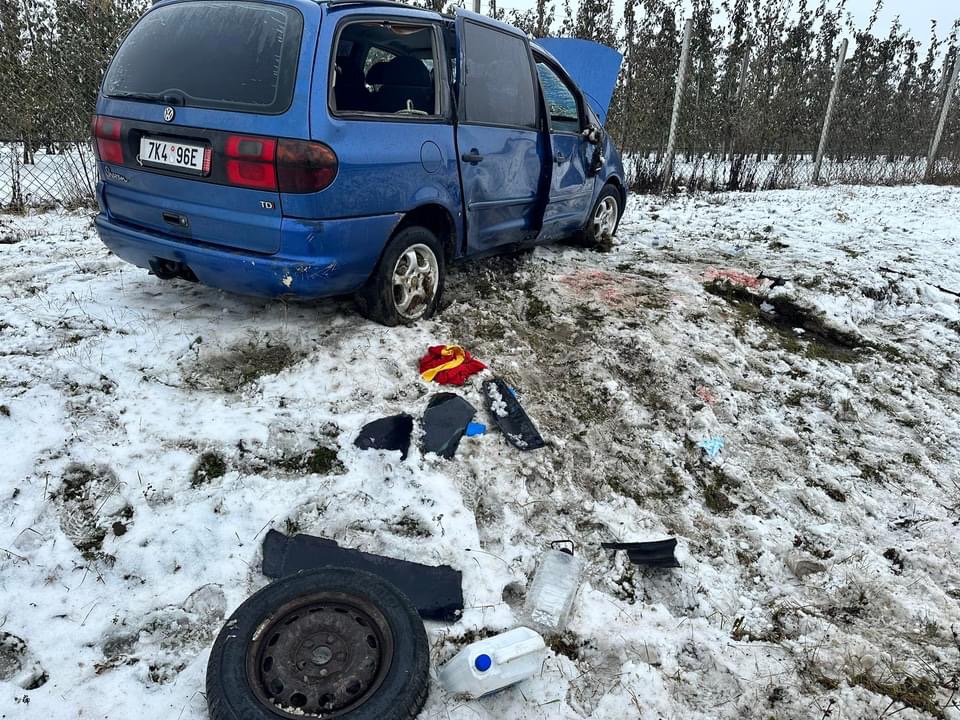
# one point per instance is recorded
(151, 433)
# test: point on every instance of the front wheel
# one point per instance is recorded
(408, 282)
(603, 221)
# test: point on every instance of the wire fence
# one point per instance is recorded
(751, 102)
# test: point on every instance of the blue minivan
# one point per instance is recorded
(294, 148)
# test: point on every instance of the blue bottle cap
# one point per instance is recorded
(482, 663)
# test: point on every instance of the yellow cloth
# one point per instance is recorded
(458, 354)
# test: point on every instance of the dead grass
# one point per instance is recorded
(914, 691)
(241, 365)
(321, 460)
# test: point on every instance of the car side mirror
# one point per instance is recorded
(592, 134)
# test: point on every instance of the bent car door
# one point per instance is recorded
(571, 186)
(498, 143)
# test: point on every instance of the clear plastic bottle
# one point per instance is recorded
(492, 664)
(553, 589)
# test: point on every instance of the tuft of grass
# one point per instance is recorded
(210, 466)
(321, 460)
(537, 308)
(4, 410)
(569, 645)
(623, 486)
(913, 691)
(409, 526)
(716, 499)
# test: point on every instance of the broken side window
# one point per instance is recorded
(385, 68)
(559, 98)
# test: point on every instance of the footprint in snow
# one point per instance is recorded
(168, 638)
(17, 665)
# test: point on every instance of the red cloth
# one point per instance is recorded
(448, 365)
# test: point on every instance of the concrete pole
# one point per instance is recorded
(744, 66)
(944, 113)
(677, 101)
(476, 6)
(838, 73)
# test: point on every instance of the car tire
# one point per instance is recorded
(408, 281)
(603, 221)
(361, 641)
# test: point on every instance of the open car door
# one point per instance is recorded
(500, 147)
(592, 66)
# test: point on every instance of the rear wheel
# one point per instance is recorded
(408, 282)
(603, 221)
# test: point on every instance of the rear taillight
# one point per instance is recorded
(251, 162)
(305, 167)
(106, 133)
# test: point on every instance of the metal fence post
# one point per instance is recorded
(677, 100)
(944, 112)
(829, 116)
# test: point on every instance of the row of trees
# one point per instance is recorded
(760, 75)
(52, 53)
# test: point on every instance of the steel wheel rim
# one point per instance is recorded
(416, 276)
(605, 218)
(321, 655)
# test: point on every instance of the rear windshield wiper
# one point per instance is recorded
(166, 98)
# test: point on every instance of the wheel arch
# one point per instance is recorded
(621, 188)
(438, 220)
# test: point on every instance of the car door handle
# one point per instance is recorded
(175, 219)
(559, 158)
(472, 157)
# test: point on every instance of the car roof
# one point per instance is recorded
(334, 4)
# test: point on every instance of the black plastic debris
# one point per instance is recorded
(434, 591)
(656, 554)
(510, 417)
(444, 423)
(389, 433)
(775, 280)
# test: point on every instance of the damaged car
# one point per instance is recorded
(305, 149)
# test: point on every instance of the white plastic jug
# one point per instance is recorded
(553, 589)
(489, 665)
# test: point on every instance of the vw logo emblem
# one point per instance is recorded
(168, 114)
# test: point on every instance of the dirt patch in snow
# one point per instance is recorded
(240, 365)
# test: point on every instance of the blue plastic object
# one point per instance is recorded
(475, 428)
(389, 165)
(711, 446)
(483, 663)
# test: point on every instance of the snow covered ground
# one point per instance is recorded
(150, 434)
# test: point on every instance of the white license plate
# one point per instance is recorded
(194, 159)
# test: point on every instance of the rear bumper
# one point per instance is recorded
(316, 258)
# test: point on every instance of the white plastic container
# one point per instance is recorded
(553, 590)
(489, 665)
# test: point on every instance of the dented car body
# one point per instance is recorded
(279, 148)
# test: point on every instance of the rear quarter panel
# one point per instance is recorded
(385, 166)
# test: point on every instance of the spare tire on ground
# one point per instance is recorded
(330, 643)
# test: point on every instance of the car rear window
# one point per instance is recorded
(225, 55)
